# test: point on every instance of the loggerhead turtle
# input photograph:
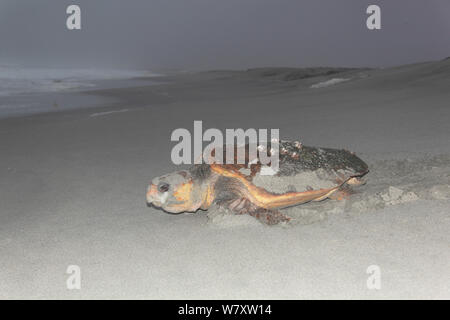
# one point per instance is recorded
(325, 173)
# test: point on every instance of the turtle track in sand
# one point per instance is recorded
(389, 182)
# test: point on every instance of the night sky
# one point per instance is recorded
(211, 34)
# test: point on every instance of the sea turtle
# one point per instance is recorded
(305, 174)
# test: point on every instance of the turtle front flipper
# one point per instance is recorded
(244, 206)
(264, 199)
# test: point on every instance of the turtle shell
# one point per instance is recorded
(296, 158)
(304, 168)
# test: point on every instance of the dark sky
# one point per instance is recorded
(209, 34)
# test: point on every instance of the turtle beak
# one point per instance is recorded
(152, 193)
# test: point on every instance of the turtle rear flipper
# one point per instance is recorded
(244, 206)
(267, 216)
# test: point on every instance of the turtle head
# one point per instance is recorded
(174, 193)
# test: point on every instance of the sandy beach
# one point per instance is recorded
(73, 183)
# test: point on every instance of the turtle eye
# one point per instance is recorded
(163, 187)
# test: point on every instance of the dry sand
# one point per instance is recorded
(73, 183)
